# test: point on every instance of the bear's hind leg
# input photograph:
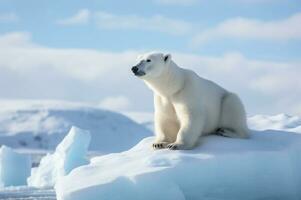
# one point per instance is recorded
(226, 133)
(233, 121)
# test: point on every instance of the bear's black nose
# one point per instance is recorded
(135, 69)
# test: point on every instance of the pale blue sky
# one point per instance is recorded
(39, 18)
(54, 36)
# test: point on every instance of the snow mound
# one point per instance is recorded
(276, 122)
(43, 124)
(14, 167)
(69, 154)
(266, 166)
(144, 118)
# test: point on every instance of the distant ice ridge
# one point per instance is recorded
(266, 166)
(144, 118)
(69, 154)
(282, 121)
(276, 122)
(43, 124)
(14, 167)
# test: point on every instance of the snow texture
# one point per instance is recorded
(266, 166)
(43, 124)
(14, 167)
(69, 154)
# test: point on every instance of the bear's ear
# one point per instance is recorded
(167, 58)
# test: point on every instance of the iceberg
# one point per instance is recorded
(14, 167)
(69, 154)
(266, 166)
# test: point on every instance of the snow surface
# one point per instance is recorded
(43, 124)
(266, 166)
(69, 154)
(14, 167)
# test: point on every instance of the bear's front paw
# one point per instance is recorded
(176, 146)
(160, 145)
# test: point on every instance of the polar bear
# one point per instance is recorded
(188, 106)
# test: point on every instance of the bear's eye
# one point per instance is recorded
(148, 60)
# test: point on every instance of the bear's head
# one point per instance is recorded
(151, 65)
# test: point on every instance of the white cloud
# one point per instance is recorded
(159, 23)
(81, 17)
(91, 74)
(15, 39)
(8, 17)
(279, 82)
(19, 53)
(117, 103)
(177, 2)
(110, 21)
(244, 28)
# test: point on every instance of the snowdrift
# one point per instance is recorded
(266, 166)
(43, 124)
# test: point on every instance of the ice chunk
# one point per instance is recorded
(266, 166)
(69, 154)
(14, 167)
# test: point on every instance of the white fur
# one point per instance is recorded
(188, 106)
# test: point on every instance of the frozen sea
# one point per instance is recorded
(27, 193)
